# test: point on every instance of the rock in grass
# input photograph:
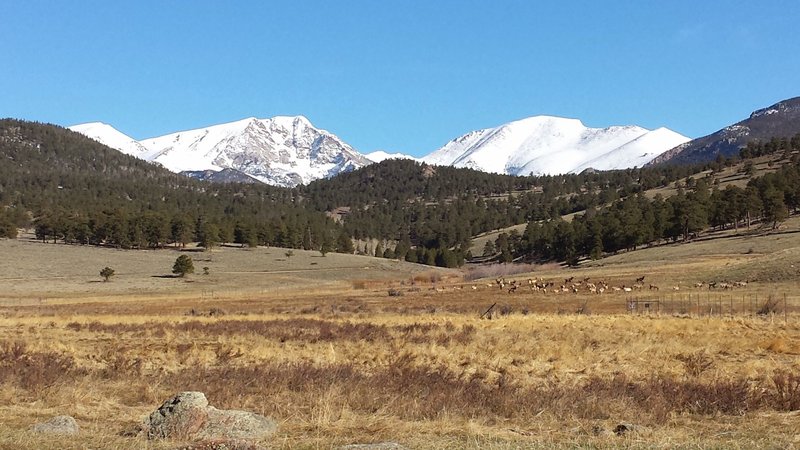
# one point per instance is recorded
(182, 417)
(222, 444)
(238, 424)
(188, 416)
(62, 425)
(627, 428)
(377, 446)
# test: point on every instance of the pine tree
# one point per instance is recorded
(344, 244)
(209, 235)
(183, 265)
(489, 248)
(774, 208)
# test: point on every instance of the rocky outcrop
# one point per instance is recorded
(189, 416)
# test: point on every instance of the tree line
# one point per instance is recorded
(636, 220)
(75, 190)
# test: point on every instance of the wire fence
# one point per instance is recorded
(778, 304)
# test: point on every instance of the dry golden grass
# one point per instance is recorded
(33, 272)
(344, 362)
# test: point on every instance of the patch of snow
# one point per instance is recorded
(546, 145)
(111, 137)
(380, 155)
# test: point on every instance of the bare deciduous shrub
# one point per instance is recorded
(226, 354)
(466, 334)
(770, 306)
(33, 371)
(505, 310)
(497, 270)
(786, 393)
(119, 365)
(695, 364)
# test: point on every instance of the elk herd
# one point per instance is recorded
(586, 285)
(572, 285)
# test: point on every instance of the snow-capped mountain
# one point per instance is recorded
(110, 136)
(282, 151)
(380, 155)
(287, 151)
(545, 145)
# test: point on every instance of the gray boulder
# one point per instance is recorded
(188, 416)
(63, 425)
(235, 424)
(181, 417)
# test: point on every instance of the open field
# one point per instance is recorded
(34, 271)
(334, 359)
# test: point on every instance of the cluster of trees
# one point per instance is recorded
(75, 190)
(754, 149)
(636, 220)
(432, 212)
(120, 229)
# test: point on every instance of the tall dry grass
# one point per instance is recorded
(320, 375)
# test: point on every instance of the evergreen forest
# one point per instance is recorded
(71, 189)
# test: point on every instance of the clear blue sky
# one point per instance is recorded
(402, 76)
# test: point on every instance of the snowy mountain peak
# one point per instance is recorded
(110, 136)
(289, 150)
(542, 145)
(282, 150)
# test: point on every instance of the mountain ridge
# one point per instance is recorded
(781, 119)
(548, 145)
(288, 150)
(282, 150)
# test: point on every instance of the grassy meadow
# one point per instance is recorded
(346, 349)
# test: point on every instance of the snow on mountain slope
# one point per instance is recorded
(282, 151)
(637, 152)
(380, 155)
(287, 151)
(552, 145)
(111, 137)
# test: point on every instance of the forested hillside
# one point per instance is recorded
(74, 189)
(636, 220)
(432, 212)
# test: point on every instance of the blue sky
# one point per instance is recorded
(401, 76)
